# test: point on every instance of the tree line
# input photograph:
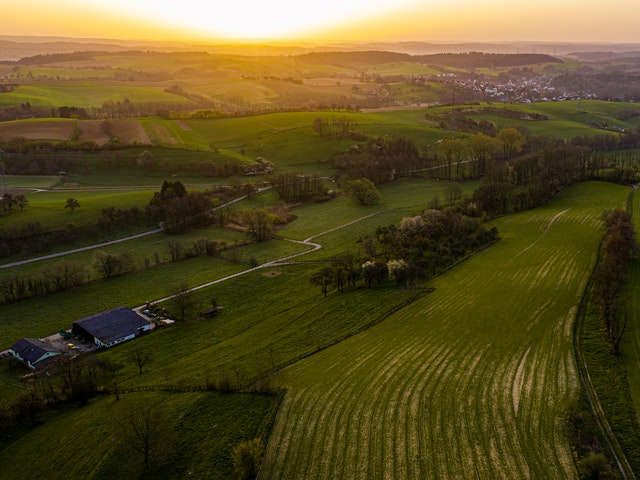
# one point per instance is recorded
(32, 238)
(294, 188)
(618, 247)
(418, 248)
(68, 274)
(381, 160)
(29, 157)
(533, 179)
(177, 210)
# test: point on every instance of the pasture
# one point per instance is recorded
(469, 381)
(20, 182)
(288, 139)
(189, 435)
(26, 318)
(467, 376)
(87, 95)
(567, 119)
(481, 368)
(48, 207)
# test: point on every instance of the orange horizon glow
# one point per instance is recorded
(330, 20)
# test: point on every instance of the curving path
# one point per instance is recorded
(81, 249)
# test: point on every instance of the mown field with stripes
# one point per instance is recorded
(470, 381)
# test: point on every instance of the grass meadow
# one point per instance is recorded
(567, 119)
(48, 208)
(467, 376)
(31, 181)
(281, 137)
(190, 443)
(470, 381)
(86, 95)
(27, 318)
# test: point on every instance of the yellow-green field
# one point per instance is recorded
(284, 134)
(471, 381)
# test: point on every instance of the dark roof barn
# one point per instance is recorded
(110, 327)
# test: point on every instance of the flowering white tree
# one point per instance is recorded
(399, 270)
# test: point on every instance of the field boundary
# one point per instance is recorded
(604, 426)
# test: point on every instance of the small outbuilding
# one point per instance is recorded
(212, 312)
(33, 352)
(111, 327)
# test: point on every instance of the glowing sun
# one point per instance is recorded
(252, 19)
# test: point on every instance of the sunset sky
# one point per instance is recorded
(334, 20)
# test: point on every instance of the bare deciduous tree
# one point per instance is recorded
(140, 358)
(181, 299)
(148, 434)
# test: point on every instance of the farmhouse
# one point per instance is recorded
(110, 327)
(33, 352)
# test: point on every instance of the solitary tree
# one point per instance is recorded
(175, 249)
(148, 433)
(107, 128)
(221, 214)
(7, 201)
(322, 278)
(454, 192)
(453, 150)
(482, 149)
(369, 272)
(21, 201)
(399, 271)
(259, 223)
(364, 191)
(72, 204)
(107, 264)
(140, 358)
(182, 299)
(511, 141)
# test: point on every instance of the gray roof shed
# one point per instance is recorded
(32, 350)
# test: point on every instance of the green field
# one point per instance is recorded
(468, 375)
(481, 368)
(46, 315)
(470, 381)
(48, 207)
(31, 181)
(288, 140)
(566, 119)
(191, 441)
(86, 95)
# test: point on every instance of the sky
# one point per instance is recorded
(612, 21)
